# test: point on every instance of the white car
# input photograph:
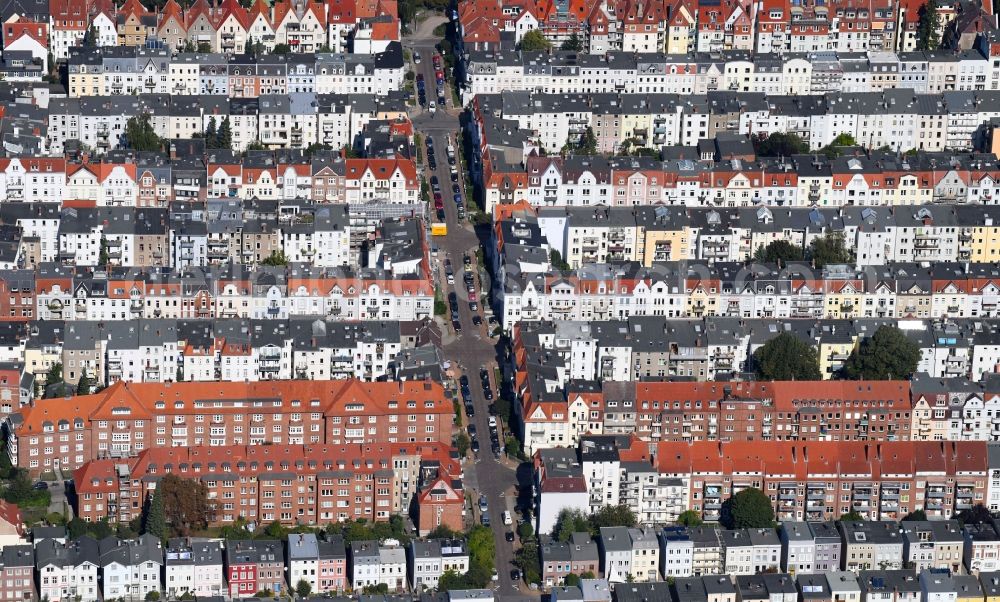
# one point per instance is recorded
(493, 420)
(432, 107)
(507, 520)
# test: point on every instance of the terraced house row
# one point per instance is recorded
(685, 26)
(654, 347)
(646, 235)
(89, 570)
(215, 233)
(726, 173)
(232, 350)
(58, 26)
(273, 119)
(154, 180)
(512, 124)
(740, 290)
(820, 72)
(815, 481)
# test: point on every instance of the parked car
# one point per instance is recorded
(483, 503)
(475, 446)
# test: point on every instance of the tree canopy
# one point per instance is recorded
(779, 144)
(140, 135)
(690, 518)
(779, 251)
(155, 519)
(573, 43)
(534, 41)
(974, 515)
(786, 357)
(570, 521)
(185, 504)
(928, 26)
(829, 249)
(748, 509)
(886, 355)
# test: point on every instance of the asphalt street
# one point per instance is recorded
(472, 348)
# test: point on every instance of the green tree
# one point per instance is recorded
(525, 531)
(303, 589)
(90, 38)
(462, 444)
(140, 135)
(256, 145)
(152, 596)
(555, 258)
(528, 560)
(440, 307)
(482, 550)
(211, 134)
(587, 144)
(450, 580)
(225, 137)
(104, 257)
(84, 385)
(853, 515)
(613, 516)
(571, 580)
(975, 515)
(281, 49)
(779, 251)
(779, 144)
(275, 530)
(570, 521)
(829, 249)
(55, 374)
(587, 575)
(535, 41)
(203, 48)
(443, 532)
(835, 148)
(916, 515)
(574, 43)
(748, 509)
(276, 258)
(690, 518)
(786, 357)
(928, 25)
(512, 447)
(886, 355)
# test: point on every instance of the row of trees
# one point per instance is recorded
(886, 355)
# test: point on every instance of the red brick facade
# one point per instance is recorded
(263, 483)
(126, 418)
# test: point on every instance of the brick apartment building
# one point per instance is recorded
(127, 418)
(293, 484)
(822, 480)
